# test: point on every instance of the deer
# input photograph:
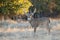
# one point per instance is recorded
(35, 22)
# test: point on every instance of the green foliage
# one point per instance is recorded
(58, 4)
(40, 4)
(43, 5)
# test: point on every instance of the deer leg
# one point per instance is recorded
(48, 30)
(35, 29)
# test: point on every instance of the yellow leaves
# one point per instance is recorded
(14, 2)
(18, 6)
(1, 4)
(21, 1)
(22, 10)
(25, 6)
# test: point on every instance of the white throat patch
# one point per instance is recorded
(29, 18)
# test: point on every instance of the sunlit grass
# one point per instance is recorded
(23, 29)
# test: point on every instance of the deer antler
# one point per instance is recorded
(34, 11)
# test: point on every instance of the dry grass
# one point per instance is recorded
(28, 28)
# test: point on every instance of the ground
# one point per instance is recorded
(23, 31)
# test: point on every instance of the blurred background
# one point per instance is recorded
(14, 8)
(14, 24)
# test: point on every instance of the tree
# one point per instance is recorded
(58, 4)
(13, 7)
(43, 5)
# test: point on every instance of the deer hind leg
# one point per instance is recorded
(48, 26)
(49, 29)
(35, 29)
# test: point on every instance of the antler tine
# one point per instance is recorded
(34, 11)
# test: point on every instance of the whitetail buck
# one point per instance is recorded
(35, 22)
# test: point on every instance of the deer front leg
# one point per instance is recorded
(35, 29)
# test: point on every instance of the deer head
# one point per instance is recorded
(30, 14)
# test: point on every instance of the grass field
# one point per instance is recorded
(12, 30)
